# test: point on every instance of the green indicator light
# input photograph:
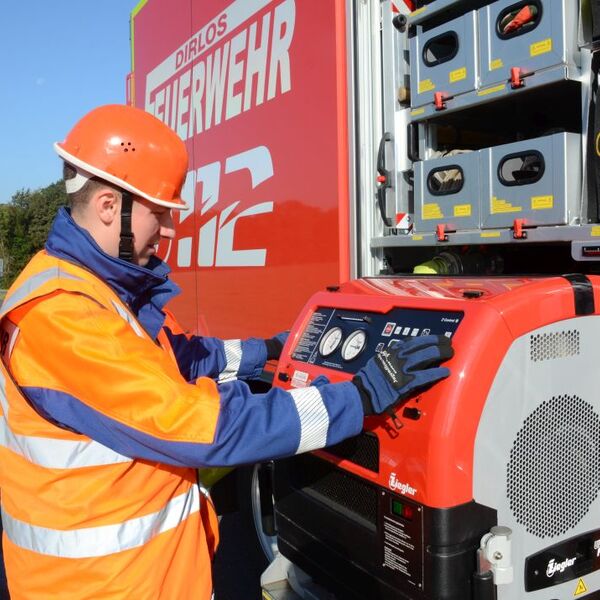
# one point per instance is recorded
(397, 507)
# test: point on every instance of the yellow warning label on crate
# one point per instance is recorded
(542, 202)
(490, 234)
(502, 206)
(540, 47)
(595, 231)
(457, 75)
(432, 211)
(580, 589)
(492, 90)
(417, 238)
(417, 112)
(462, 210)
(496, 64)
(426, 86)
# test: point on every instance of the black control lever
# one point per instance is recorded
(383, 179)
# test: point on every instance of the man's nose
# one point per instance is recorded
(167, 227)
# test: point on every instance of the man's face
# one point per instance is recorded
(149, 224)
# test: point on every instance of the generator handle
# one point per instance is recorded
(383, 179)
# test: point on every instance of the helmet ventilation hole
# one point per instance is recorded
(127, 148)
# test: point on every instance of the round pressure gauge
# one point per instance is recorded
(355, 343)
(330, 341)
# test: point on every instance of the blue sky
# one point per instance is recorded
(58, 59)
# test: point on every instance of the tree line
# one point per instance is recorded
(24, 225)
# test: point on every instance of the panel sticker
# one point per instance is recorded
(542, 202)
(462, 210)
(540, 47)
(457, 75)
(426, 86)
(432, 211)
(496, 64)
(492, 90)
(299, 379)
(580, 589)
(502, 206)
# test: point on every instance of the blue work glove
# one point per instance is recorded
(397, 372)
(320, 381)
(275, 345)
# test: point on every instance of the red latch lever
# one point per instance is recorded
(518, 229)
(516, 78)
(440, 233)
(439, 100)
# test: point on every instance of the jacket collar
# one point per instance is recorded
(145, 290)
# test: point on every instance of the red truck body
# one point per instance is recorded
(258, 92)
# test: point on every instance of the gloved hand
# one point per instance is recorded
(396, 372)
(320, 381)
(275, 345)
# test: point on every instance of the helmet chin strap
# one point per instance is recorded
(126, 237)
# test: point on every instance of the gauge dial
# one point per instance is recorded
(354, 344)
(330, 342)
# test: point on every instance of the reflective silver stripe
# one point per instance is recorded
(314, 418)
(32, 284)
(53, 453)
(233, 357)
(129, 318)
(105, 539)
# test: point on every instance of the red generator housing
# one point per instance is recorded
(510, 439)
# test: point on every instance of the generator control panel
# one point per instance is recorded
(345, 339)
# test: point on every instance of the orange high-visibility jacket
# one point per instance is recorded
(101, 433)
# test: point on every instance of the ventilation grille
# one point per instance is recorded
(335, 488)
(545, 346)
(362, 450)
(553, 475)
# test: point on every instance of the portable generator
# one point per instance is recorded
(482, 486)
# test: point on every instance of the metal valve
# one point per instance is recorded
(494, 555)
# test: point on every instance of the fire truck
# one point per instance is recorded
(363, 171)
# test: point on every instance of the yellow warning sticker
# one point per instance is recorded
(540, 47)
(414, 13)
(595, 232)
(432, 211)
(490, 234)
(457, 75)
(580, 589)
(462, 210)
(266, 595)
(417, 238)
(492, 90)
(502, 206)
(496, 64)
(417, 112)
(426, 86)
(542, 202)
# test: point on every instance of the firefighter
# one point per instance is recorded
(108, 407)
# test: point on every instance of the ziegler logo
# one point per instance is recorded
(554, 567)
(398, 486)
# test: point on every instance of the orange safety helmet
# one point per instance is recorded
(130, 148)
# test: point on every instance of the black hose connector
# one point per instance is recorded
(483, 586)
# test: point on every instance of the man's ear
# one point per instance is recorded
(106, 205)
